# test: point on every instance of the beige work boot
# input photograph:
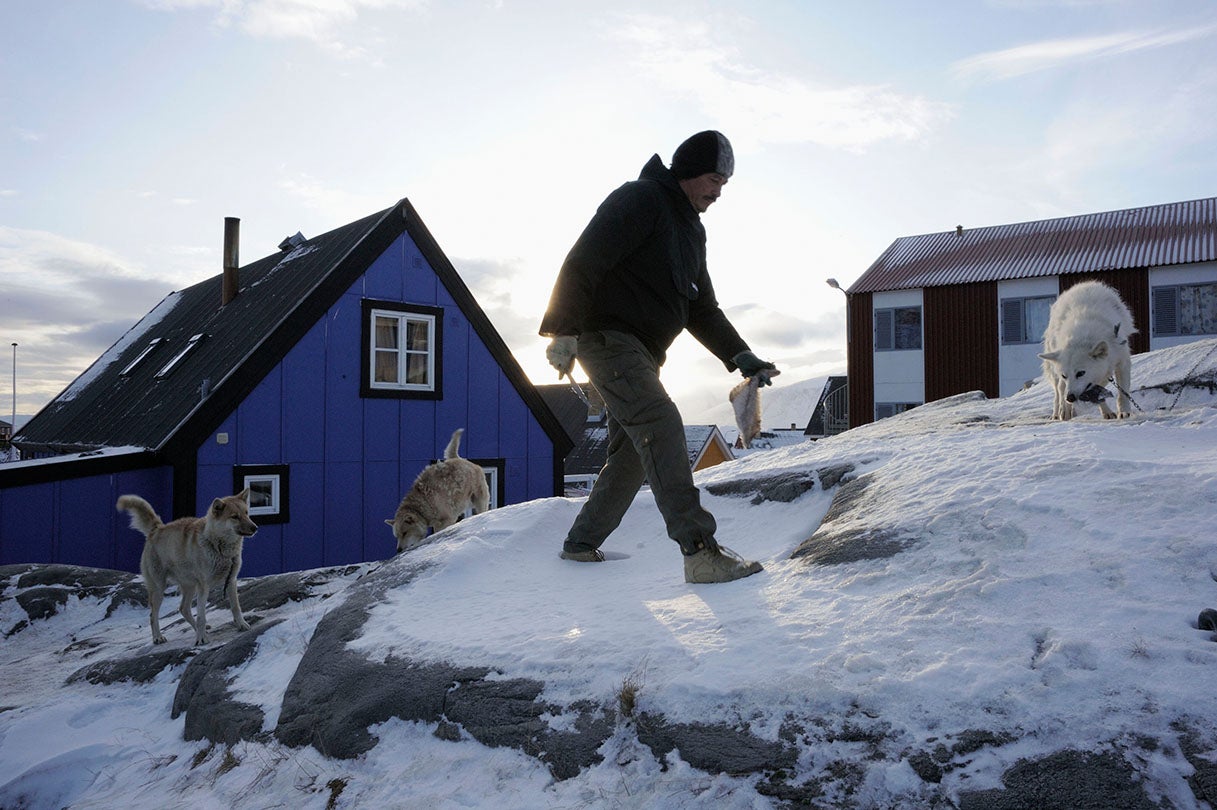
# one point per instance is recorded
(718, 565)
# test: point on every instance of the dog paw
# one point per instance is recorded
(158, 639)
(243, 625)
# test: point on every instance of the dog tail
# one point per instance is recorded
(143, 517)
(454, 445)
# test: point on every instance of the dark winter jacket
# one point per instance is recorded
(640, 267)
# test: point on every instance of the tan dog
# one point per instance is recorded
(196, 553)
(440, 495)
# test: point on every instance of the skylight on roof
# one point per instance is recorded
(147, 351)
(177, 358)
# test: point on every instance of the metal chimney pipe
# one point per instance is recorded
(232, 241)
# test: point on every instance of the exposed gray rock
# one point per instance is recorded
(42, 602)
(336, 695)
(202, 693)
(42, 590)
(832, 544)
(782, 487)
(716, 748)
(276, 590)
(140, 669)
(1065, 780)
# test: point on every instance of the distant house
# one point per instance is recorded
(324, 377)
(831, 414)
(964, 310)
(706, 446)
(6, 431)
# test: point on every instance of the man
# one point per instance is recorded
(634, 280)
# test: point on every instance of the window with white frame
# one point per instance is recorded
(493, 470)
(268, 490)
(1023, 320)
(897, 328)
(1185, 309)
(401, 350)
(886, 409)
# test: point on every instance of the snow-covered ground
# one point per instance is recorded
(1046, 590)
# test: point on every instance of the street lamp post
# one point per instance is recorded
(832, 282)
(13, 426)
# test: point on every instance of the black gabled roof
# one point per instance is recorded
(280, 297)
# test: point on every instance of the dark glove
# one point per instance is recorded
(752, 366)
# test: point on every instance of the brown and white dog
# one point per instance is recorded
(440, 494)
(196, 553)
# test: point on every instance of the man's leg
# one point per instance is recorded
(627, 377)
(612, 494)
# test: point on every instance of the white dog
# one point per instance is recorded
(441, 494)
(1085, 346)
(196, 553)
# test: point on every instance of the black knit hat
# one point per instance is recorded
(703, 153)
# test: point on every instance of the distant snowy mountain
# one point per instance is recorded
(782, 405)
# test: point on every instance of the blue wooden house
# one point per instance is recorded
(324, 377)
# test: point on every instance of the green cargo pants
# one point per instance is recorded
(646, 443)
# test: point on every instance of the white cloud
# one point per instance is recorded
(763, 106)
(1049, 54)
(65, 302)
(315, 21)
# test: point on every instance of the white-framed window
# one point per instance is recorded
(897, 328)
(1023, 320)
(886, 409)
(268, 490)
(402, 350)
(1185, 309)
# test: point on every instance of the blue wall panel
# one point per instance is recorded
(212, 452)
(213, 481)
(452, 411)
(304, 398)
(382, 496)
(485, 379)
(260, 422)
(154, 485)
(344, 512)
(303, 536)
(418, 435)
(83, 540)
(382, 421)
(27, 524)
(343, 406)
(421, 283)
(384, 279)
(263, 553)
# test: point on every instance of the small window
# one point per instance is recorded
(1184, 310)
(268, 490)
(126, 372)
(886, 409)
(177, 358)
(1023, 320)
(493, 469)
(897, 328)
(401, 350)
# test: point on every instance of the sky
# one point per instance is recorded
(1047, 592)
(130, 128)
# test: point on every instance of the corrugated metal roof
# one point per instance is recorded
(1158, 235)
